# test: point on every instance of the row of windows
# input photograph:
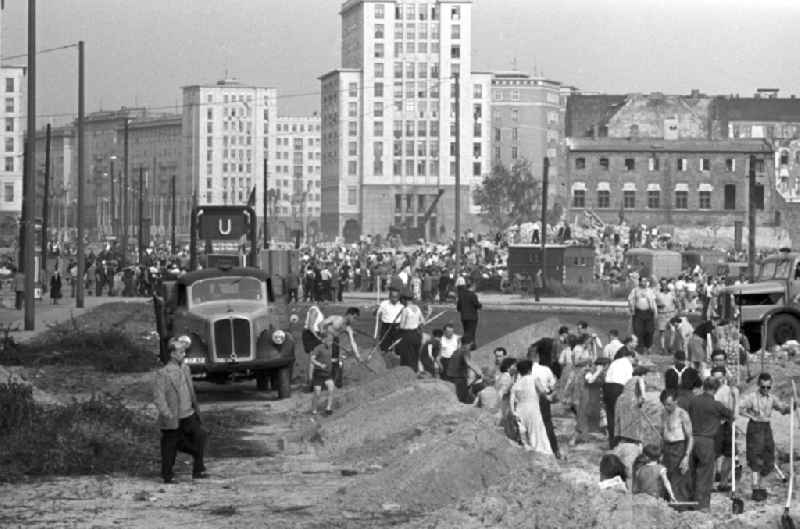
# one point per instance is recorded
(298, 142)
(654, 198)
(655, 164)
(411, 31)
(310, 169)
(417, 12)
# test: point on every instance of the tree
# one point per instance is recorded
(509, 196)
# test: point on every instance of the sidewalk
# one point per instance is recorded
(498, 301)
(46, 313)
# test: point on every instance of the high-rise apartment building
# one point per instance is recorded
(297, 176)
(389, 124)
(229, 131)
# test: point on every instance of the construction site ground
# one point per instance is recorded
(398, 452)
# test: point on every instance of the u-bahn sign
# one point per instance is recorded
(224, 223)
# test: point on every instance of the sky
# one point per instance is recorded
(140, 52)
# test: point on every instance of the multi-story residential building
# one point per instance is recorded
(63, 196)
(297, 176)
(229, 131)
(656, 181)
(389, 119)
(155, 146)
(13, 134)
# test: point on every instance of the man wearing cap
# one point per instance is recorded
(178, 416)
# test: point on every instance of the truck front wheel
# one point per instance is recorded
(284, 382)
(781, 328)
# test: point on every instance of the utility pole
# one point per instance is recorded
(751, 219)
(173, 215)
(543, 229)
(81, 177)
(457, 87)
(140, 225)
(29, 180)
(46, 198)
(266, 208)
(113, 200)
(125, 218)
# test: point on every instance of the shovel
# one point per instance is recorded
(737, 503)
(786, 519)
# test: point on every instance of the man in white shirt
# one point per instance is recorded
(545, 379)
(614, 344)
(387, 318)
(450, 343)
(619, 372)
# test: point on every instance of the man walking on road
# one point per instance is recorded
(468, 306)
(178, 417)
(642, 304)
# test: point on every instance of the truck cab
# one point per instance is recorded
(771, 304)
(234, 330)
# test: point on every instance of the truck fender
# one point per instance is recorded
(778, 311)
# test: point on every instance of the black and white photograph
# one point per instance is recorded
(410, 264)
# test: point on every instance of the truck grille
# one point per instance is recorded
(232, 335)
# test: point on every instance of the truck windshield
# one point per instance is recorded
(775, 270)
(226, 288)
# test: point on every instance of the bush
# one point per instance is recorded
(97, 436)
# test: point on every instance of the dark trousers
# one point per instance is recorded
(470, 326)
(98, 288)
(444, 362)
(760, 447)
(190, 438)
(611, 393)
(547, 419)
(388, 335)
(704, 459)
(18, 298)
(337, 371)
(681, 483)
(408, 348)
(643, 326)
(463, 393)
(537, 293)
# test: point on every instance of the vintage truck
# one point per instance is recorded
(235, 330)
(769, 307)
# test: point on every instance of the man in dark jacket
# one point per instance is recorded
(468, 306)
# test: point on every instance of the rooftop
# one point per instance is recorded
(649, 145)
(759, 109)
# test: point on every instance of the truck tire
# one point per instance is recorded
(284, 383)
(781, 328)
(262, 380)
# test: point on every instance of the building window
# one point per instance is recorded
(514, 153)
(379, 69)
(730, 165)
(9, 84)
(208, 183)
(604, 165)
(352, 90)
(515, 115)
(630, 164)
(379, 12)
(409, 167)
(705, 164)
(421, 168)
(9, 124)
(9, 164)
(378, 128)
(352, 148)
(784, 157)
(378, 89)
(682, 165)
(455, 31)
(352, 129)
(477, 169)
(629, 199)
(681, 200)
(759, 165)
(455, 51)
(352, 195)
(653, 199)
(580, 163)
(758, 196)
(604, 198)
(705, 199)
(397, 167)
(653, 163)
(730, 196)
(9, 147)
(8, 192)
(379, 50)
(477, 91)
(378, 31)
(578, 198)
(476, 150)
(352, 168)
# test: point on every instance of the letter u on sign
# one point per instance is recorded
(226, 230)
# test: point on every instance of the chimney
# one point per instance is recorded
(695, 93)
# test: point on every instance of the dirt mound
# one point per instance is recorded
(517, 342)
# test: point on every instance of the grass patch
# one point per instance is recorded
(114, 338)
(97, 436)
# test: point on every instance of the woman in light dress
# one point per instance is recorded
(524, 403)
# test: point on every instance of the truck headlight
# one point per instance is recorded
(278, 337)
